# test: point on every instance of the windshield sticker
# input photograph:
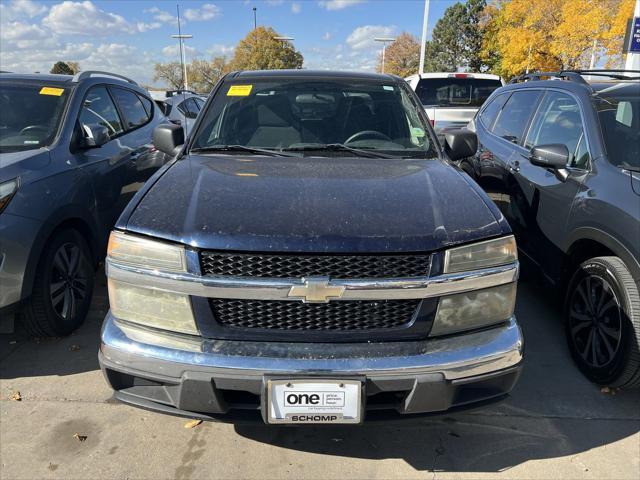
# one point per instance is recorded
(417, 132)
(56, 92)
(239, 90)
(388, 87)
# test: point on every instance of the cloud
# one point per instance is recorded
(173, 51)
(208, 11)
(84, 18)
(296, 8)
(275, 3)
(20, 31)
(326, 36)
(362, 38)
(220, 49)
(339, 4)
(161, 15)
(20, 9)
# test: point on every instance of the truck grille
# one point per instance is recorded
(298, 266)
(332, 316)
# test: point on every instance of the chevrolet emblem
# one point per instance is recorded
(316, 290)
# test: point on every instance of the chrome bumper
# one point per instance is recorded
(472, 354)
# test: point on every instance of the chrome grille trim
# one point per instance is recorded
(278, 289)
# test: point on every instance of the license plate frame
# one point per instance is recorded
(327, 389)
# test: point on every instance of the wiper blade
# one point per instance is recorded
(337, 147)
(240, 148)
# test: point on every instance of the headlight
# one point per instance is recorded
(491, 253)
(475, 309)
(142, 252)
(7, 191)
(147, 306)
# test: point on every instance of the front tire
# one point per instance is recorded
(602, 322)
(62, 288)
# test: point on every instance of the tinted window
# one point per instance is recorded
(490, 112)
(455, 92)
(199, 103)
(515, 115)
(131, 107)
(148, 105)
(619, 115)
(189, 106)
(29, 115)
(557, 120)
(99, 108)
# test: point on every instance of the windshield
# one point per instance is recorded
(455, 92)
(620, 121)
(320, 117)
(29, 115)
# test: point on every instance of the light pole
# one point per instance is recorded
(423, 45)
(384, 41)
(284, 40)
(183, 53)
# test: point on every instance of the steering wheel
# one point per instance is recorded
(367, 134)
(31, 128)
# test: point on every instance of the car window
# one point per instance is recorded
(199, 103)
(619, 113)
(148, 105)
(515, 115)
(98, 108)
(491, 110)
(581, 157)
(189, 106)
(558, 120)
(457, 90)
(131, 107)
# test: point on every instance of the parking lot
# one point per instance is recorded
(555, 425)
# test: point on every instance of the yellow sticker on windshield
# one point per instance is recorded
(239, 90)
(51, 91)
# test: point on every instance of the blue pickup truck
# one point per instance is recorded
(311, 256)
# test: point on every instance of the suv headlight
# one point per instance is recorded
(7, 191)
(477, 308)
(142, 304)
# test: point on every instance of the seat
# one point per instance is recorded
(275, 124)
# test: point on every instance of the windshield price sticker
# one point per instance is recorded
(239, 90)
(56, 92)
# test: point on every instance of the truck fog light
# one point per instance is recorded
(153, 308)
(475, 309)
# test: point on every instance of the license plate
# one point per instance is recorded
(314, 401)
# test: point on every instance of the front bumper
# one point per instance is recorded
(225, 380)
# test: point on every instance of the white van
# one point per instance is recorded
(452, 99)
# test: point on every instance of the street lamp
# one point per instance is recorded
(284, 40)
(384, 41)
(183, 53)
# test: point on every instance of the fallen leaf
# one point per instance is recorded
(74, 348)
(192, 424)
(80, 438)
(605, 390)
(16, 396)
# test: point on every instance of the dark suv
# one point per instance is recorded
(310, 257)
(560, 155)
(73, 151)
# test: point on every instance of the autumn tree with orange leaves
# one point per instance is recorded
(552, 34)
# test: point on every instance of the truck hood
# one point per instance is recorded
(252, 203)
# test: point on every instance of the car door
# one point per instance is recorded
(137, 140)
(105, 166)
(487, 169)
(541, 198)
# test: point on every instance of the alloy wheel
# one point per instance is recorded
(69, 282)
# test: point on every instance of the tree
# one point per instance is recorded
(74, 66)
(445, 51)
(170, 73)
(61, 68)
(402, 57)
(473, 34)
(205, 74)
(259, 50)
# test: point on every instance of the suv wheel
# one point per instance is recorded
(602, 320)
(63, 286)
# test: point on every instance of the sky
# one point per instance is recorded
(129, 36)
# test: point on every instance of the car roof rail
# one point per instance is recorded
(618, 74)
(562, 75)
(98, 73)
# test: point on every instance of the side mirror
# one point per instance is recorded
(460, 144)
(168, 138)
(553, 155)
(95, 135)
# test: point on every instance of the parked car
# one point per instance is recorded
(73, 151)
(562, 159)
(183, 108)
(452, 99)
(310, 257)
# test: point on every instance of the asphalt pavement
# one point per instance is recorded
(555, 425)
